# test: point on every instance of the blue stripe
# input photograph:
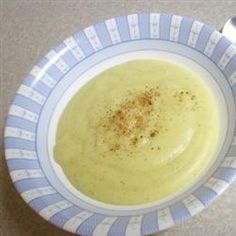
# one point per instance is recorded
(54, 72)
(185, 29)
(67, 56)
(37, 85)
(150, 223)
(19, 122)
(41, 202)
(69, 59)
(88, 226)
(84, 43)
(29, 80)
(179, 212)
(122, 25)
(103, 34)
(205, 195)
(230, 67)
(31, 178)
(27, 103)
(59, 47)
(27, 184)
(19, 143)
(63, 216)
(144, 26)
(43, 62)
(219, 50)
(203, 38)
(165, 21)
(119, 226)
(15, 164)
(227, 174)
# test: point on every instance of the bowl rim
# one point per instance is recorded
(133, 224)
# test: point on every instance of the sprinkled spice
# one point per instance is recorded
(130, 117)
(115, 147)
(153, 133)
(137, 118)
(134, 140)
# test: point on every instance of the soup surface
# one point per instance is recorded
(138, 132)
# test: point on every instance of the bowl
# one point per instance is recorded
(40, 100)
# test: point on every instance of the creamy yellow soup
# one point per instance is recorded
(138, 132)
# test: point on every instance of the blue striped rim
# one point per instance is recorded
(179, 212)
(19, 143)
(203, 38)
(54, 72)
(27, 104)
(165, 20)
(28, 184)
(205, 195)
(40, 203)
(63, 216)
(88, 226)
(84, 43)
(39, 86)
(123, 28)
(103, 34)
(150, 223)
(144, 25)
(19, 122)
(119, 227)
(219, 50)
(69, 58)
(185, 30)
(24, 164)
(225, 173)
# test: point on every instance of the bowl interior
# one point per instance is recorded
(86, 70)
(189, 64)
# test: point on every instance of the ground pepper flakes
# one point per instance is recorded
(131, 117)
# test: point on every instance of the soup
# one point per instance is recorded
(139, 132)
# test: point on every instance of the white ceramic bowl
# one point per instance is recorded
(40, 100)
